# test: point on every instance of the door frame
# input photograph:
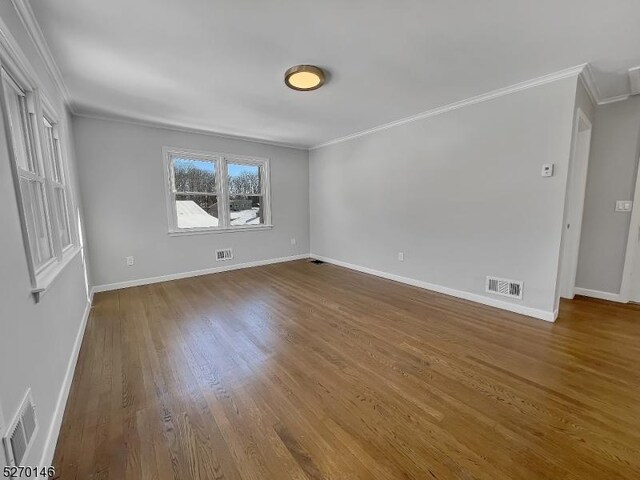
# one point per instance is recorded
(575, 200)
(633, 242)
(2, 422)
(3, 455)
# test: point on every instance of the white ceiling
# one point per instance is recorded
(218, 65)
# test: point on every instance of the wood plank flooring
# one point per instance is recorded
(302, 371)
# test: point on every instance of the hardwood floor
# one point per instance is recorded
(302, 371)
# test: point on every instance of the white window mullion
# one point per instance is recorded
(265, 184)
(173, 221)
(224, 192)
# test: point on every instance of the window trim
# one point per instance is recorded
(42, 276)
(220, 160)
(10, 81)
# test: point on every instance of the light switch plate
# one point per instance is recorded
(624, 205)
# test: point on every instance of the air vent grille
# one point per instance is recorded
(504, 287)
(225, 254)
(21, 433)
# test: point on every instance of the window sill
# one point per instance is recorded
(204, 231)
(46, 278)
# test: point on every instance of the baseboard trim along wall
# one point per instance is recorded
(549, 316)
(612, 297)
(195, 273)
(56, 423)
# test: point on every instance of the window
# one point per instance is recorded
(40, 180)
(209, 192)
(58, 183)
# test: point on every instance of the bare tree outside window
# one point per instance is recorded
(245, 195)
(191, 177)
(195, 193)
(245, 183)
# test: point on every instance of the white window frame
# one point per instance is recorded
(220, 161)
(41, 276)
(62, 180)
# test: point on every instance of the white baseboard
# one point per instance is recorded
(63, 395)
(549, 316)
(612, 297)
(195, 273)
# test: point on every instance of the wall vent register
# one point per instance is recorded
(226, 254)
(504, 287)
(21, 432)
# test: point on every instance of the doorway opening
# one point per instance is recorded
(576, 187)
(630, 290)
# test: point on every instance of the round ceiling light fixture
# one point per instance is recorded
(304, 77)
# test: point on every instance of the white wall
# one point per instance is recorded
(122, 179)
(36, 340)
(459, 193)
(613, 163)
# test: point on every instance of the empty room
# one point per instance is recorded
(339, 240)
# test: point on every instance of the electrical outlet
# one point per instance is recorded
(547, 170)
(401, 256)
(130, 261)
(624, 205)
(293, 241)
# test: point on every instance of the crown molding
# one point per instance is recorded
(25, 12)
(14, 55)
(27, 16)
(590, 85)
(552, 77)
(584, 72)
(618, 98)
(178, 128)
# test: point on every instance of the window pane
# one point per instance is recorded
(51, 146)
(59, 177)
(17, 131)
(192, 175)
(63, 217)
(42, 232)
(29, 216)
(33, 199)
(244, 179)
(196, 211)
(48, 146)
(29, 137)
(245, 210)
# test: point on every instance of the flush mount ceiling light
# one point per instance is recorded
(304, 77)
